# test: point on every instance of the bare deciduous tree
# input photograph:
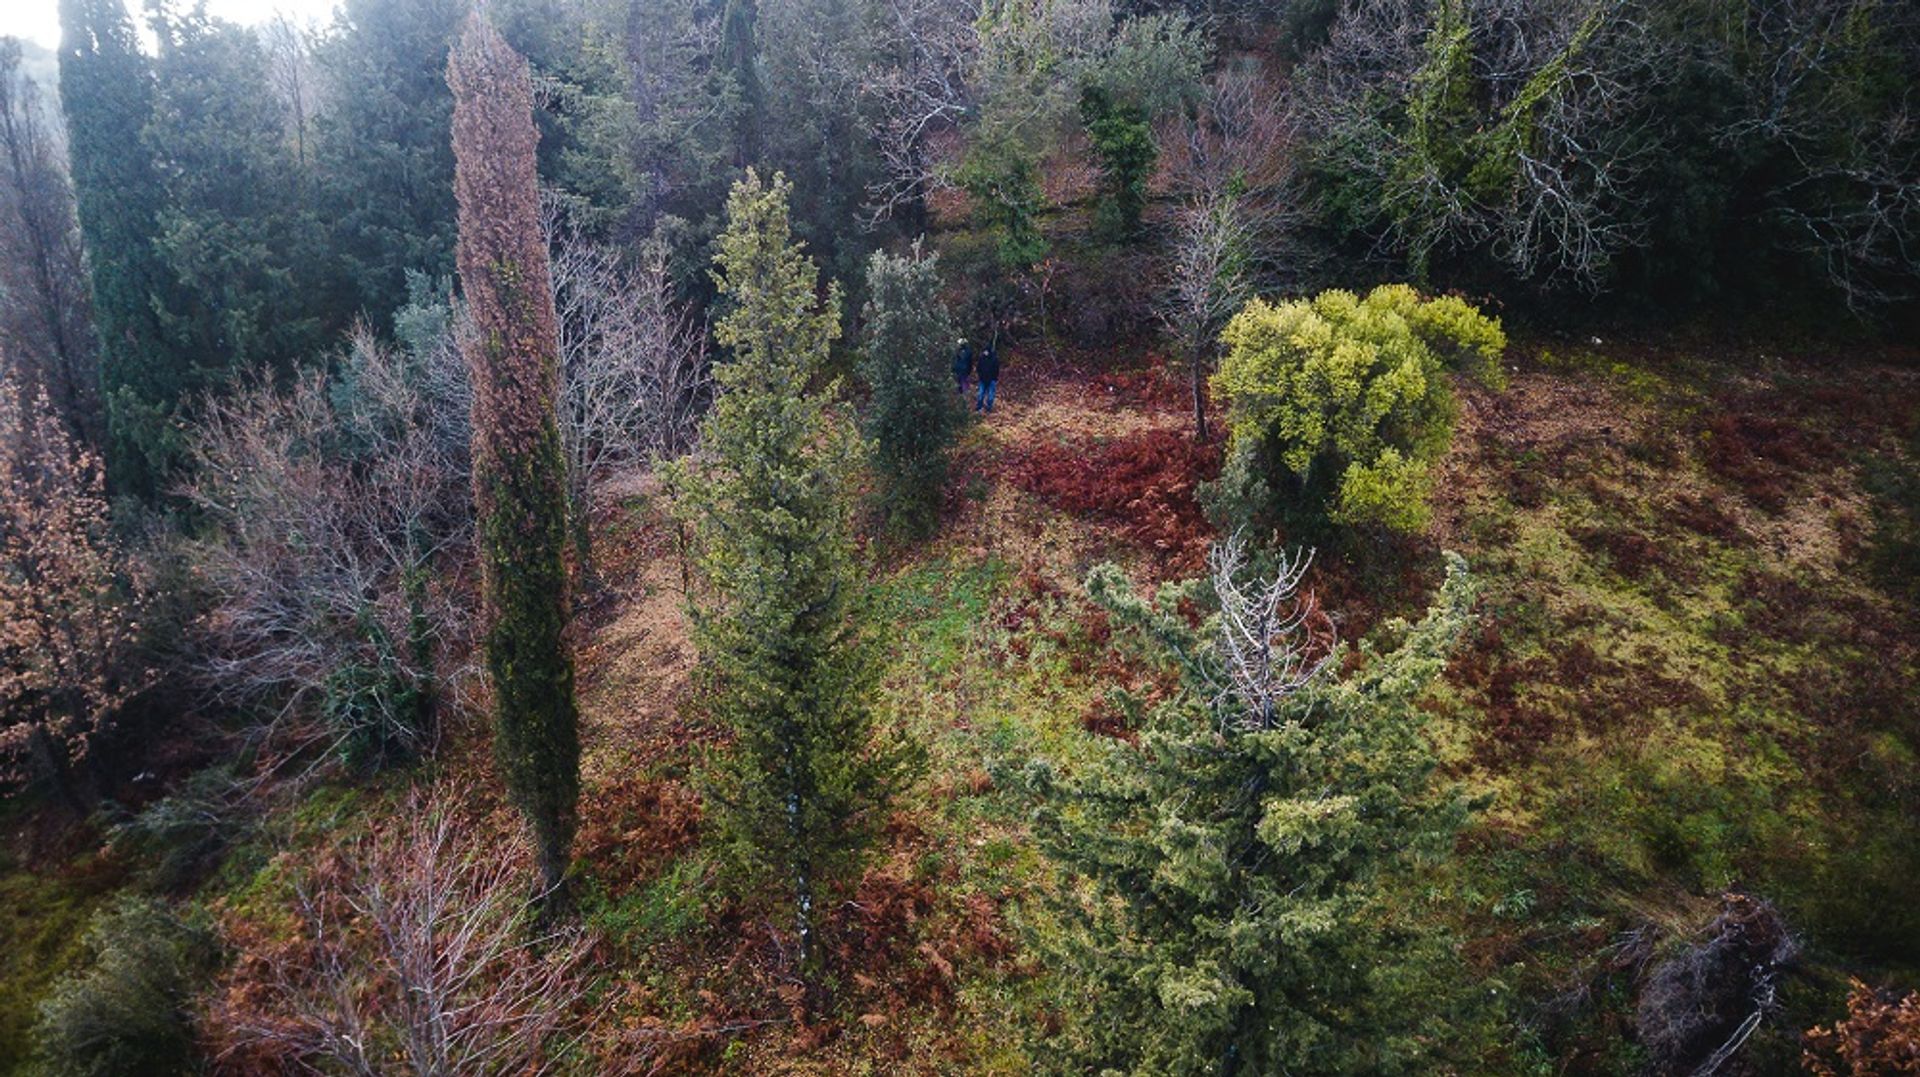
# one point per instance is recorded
(330, 507)
(417, 955)
(634, 370)
(289, 48)
(1227, 163)
(921, 95)
(1506, 124)
(45, 311)
(1271, 639)
(1852, 199)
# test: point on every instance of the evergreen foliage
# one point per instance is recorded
(129, 1008)
(739, 57)
(1123, 143)
(241, 248)
(519, 481)
(789, 666)
(914, 414)
(383, 156)
(1003, 183)
(106, 91)
(1346, 401)
(684, 110)
(816, 56)
(1221, 869)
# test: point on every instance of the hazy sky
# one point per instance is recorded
(39, 20)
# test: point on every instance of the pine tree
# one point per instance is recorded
(790, 671)
(106, 91)
(914, 413)
(518, 470)
(1220, 868)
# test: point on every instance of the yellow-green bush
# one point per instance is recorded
(1338, 405)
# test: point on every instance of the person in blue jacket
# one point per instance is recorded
(962, 366)
(989, 372)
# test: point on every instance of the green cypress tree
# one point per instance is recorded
(238, 243)
(1217, 909)
(518, 471)
(789, 668)
(1122, 142)
(385, 166)
(106, 91)
(914, 413)
(739, 57)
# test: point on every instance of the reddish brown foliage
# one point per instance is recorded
(1155, 387)
(1761, 454)
(1631, 553)
(1144, 483)
(66, 626)
(411, 943)
(904, 947)
(629, 830)
(1705, 516)
(1879, 1036)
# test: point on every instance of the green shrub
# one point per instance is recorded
(1122, 141)
(1337, 406)
(914, 413)
(126, 1010)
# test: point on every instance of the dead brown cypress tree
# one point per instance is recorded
(518, 470)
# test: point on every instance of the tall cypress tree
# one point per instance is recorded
(739, 57)
(518, 471)
(789, 669)
(106, 91)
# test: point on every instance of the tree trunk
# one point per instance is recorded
(54, 764)
(586, 572)
(1199, 398)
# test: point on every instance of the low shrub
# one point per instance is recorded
(127, 1009)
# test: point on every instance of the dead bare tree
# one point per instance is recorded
(1551, 94)
(921, 94)
(1227, 163)
(1210, 258)
(418, 955)
(289, 48)
(1852, 198)
(635, 377)
(1268, 641)
(331, 506)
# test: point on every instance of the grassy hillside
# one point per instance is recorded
(1692, 675)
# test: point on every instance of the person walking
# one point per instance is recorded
(989, 373)
(962, 365)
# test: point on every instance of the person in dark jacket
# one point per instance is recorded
(989, 371)
(962, 366)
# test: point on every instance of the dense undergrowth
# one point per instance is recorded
(1691, 676)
